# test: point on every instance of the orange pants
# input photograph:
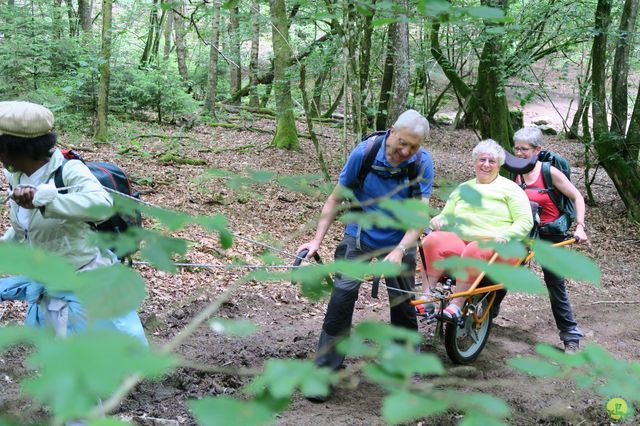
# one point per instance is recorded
(439, 245)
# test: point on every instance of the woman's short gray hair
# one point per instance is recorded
(414, 122)
(529, 135)
(491, 147)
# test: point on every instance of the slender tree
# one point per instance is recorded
(286, 135)
(617, 152)
(105, 73)
(400, 86)
(181, 48)
(235, 68)
(387, 80)
(254, 101)
(168, 30)
(212, 80)
(84, 15)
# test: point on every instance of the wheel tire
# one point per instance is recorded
(465, 343)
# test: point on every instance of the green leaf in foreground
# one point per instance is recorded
(224, 411)
(566, 263)
(111, 292)
(281, 378)
(13, 335)
(76, 371)
(109, 421)
(49, 269)
(512, 277)
(233, 327)
(402, 406)
(535, 366)
(486, 12)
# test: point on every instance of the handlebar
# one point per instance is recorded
(303, 254)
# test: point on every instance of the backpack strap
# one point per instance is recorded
(548, 184)
(370, 152)
(57, 178)
(414, 173)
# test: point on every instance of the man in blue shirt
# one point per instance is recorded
(402, 146)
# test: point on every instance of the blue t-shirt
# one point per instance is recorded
(376, 185)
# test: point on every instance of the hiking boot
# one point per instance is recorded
(571, 347)
(318, 399)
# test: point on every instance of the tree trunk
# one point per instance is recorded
(493, 118)
(235, 71)
(168, 29)
(619, 92)
(254, 101)
(400, 86)
(286, 135)
(611, 147)
(583, 103)
(56, 19)
(105, 73)
(181, 49)
(633, 135)
(212, 80)
(267, 77)
(387, 79)
(72, 19)
(152, 44)
(312, 133)
(84, 14)
(350, 39)
(365, 51)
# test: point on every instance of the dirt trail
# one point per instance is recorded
(289, 325)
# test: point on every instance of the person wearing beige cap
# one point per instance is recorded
(45, 218)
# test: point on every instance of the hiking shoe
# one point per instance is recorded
(571, 347)
(318, 399)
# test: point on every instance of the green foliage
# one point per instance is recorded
(593, 368)
(557, 258)
(224, 410)
(76, 371)
(153, 89)
(237, 328)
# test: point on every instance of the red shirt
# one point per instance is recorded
(549, 212)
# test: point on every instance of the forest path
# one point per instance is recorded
(289, 325)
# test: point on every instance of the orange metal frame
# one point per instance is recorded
(474, 289)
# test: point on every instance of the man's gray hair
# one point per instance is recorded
(530, 135)
(414, 122)
(491, 147)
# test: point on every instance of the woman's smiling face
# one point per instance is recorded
(486, 167)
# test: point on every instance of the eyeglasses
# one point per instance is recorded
(522, 149)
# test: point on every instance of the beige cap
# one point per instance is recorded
(24, 119)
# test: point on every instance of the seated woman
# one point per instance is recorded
(527, 144)
(42, 217)
(504, 214)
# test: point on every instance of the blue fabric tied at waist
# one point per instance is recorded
(22, 288)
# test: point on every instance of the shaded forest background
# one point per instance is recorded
(354, 63)
(160, 80)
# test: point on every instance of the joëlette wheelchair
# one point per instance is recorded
(465, 337)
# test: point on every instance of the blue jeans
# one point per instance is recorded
(21, 288)
(560, 305)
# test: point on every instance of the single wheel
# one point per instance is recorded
(465, 342)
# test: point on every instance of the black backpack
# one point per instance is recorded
(112, 178)
(409, 172)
